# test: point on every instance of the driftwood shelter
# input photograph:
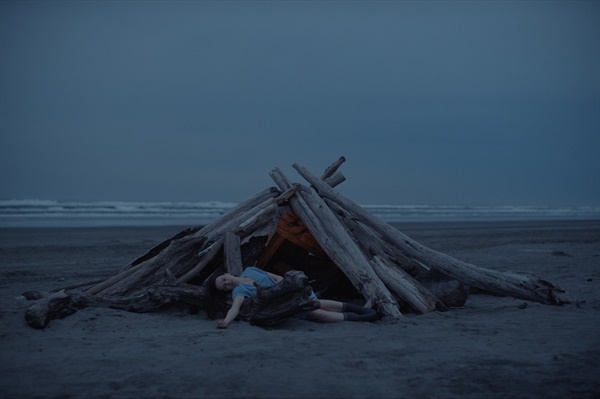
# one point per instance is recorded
(311, 234)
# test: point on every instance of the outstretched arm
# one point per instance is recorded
(232, 312)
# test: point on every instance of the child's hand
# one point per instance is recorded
(222, 324)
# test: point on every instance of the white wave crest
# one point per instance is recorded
(34, 212)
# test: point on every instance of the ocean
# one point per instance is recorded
(51, 213)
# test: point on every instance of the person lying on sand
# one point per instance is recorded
(242, 287)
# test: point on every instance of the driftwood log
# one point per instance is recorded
(61, 304)
(345, 251)
(290, 297)
(518, 285)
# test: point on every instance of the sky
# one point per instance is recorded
(430, 102)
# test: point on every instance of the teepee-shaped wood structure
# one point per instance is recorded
(293, 226)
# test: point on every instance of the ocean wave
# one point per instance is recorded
(35, 212)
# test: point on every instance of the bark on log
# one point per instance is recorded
(55, 306)
(151, 299)
(263, 231)
(376, 246)
(210, 252)
(289, 297)
(518, 285)
(290, 227)
(233, 213)
(79, 285)
(158, 248)
(405, 287)
(184, 254)
(332, 236)
(395, 278)
(401, 283)
(264, 216)
(356, 265)
(115, 279)
(331, 169)
(251, 217)
(336, 179)
(233, 254)
(239, 210)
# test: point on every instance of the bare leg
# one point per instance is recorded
(337, 306)
(325, 316)
(331, 306)
(334, 311)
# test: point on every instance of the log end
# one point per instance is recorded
(56, 306)
(557, 296)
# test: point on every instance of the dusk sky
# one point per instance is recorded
(450, 102)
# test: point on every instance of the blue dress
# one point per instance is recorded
(249, 290)
(261, 277)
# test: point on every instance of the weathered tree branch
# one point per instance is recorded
(518, 285)
(332, 236)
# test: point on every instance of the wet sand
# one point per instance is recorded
(492, 347)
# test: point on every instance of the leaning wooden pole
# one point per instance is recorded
(185, 254)
(242, 208)
(518, 285)
(332, 236)
(395, 278)
(233, 254)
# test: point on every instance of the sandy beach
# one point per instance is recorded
(493, 347)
